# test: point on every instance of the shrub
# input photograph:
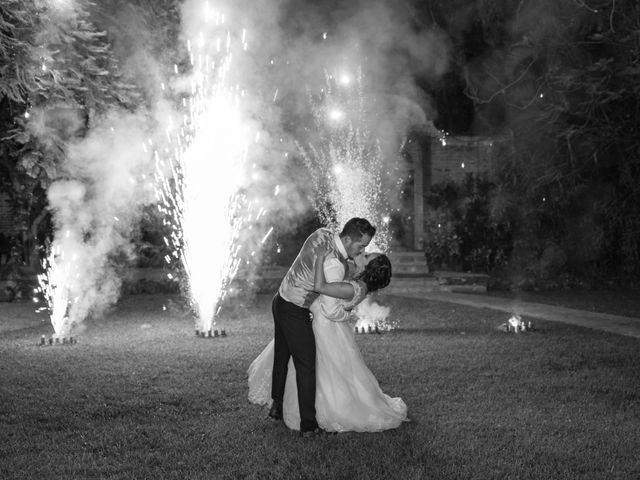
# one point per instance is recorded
(469, 224)
(442, 247)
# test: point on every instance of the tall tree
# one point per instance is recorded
(58, 73)
(564, 77)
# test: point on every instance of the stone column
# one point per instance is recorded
(418, 202)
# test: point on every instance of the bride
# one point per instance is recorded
(348, 397)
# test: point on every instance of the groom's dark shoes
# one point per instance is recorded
(316, 432)
(276, 411)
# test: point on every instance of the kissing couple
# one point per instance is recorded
(312, 372)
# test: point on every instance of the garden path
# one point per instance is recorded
(622, 325)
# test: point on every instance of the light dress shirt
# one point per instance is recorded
(297, 284)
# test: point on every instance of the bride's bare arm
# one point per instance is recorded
(343, 290)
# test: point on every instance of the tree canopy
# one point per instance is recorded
(58, 73)
(564, 78)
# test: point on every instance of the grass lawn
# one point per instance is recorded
(140, 397)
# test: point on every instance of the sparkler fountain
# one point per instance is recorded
(347, 168)
(200, 180)
(94, 209)
(55, 287)
(346, 161)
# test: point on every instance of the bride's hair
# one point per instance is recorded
(377, 273)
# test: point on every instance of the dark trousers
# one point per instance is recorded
(294, 338)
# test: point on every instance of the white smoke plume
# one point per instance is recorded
(96, 205)
(380, 38)
(290, 46)
(372, 315)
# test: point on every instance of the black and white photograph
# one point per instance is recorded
(320, 239)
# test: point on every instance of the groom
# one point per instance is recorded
(293, 332)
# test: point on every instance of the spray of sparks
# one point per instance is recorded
(347, 167)
(346, 162)
(200, 181)
(55, 287)
(372, 315)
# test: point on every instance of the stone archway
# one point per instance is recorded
(416, 151)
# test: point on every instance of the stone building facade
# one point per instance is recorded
(436, 157)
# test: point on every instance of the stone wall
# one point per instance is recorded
(452, 158)
(435, 157)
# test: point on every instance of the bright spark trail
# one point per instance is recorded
(346, 161)
(55, 284)
(201, 179)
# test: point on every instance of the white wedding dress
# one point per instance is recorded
(348, 397)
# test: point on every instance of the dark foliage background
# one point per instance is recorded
(563, 77)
